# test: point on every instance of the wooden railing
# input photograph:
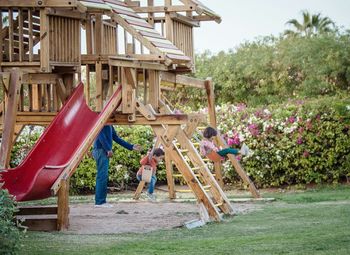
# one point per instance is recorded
(19, 34)
(64, 40)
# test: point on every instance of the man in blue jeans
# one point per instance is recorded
(101, 152)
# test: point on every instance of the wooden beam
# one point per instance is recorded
(61, 90)
(157, 9)
(45, 118)
(10, 118)
(185, 20)
(137, 64)
(99, 87)
(36, 3)
(31, 78)
(144, 110)
(181, 80)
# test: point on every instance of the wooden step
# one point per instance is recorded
(39, 222)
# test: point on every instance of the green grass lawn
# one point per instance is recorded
(311, 222)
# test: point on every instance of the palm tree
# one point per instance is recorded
(311, 25)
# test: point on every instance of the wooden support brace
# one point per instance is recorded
(61, 90)
(10, 118)
(144, 110)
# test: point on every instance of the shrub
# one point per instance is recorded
(9, 234)
(294, 143)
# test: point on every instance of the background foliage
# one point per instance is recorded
(273, 69)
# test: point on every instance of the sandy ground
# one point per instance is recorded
(136, 217)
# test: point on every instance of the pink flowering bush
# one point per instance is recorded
(294, 143)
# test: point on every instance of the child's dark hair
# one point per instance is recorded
(158, 152)
(209, 132)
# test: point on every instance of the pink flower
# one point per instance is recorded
(306, 154)
(238, 158)
(241, 107)
(301, 130)
(291, 119)
(230, 142)
(308, 125)
(253, 129)
(299, 140)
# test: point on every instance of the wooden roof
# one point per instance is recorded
(140, 29)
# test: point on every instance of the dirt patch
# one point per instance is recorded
(136, 217)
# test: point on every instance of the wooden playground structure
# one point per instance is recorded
(136, 48)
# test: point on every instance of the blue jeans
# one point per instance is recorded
(226, 151)
(151, 185)
(102, 163)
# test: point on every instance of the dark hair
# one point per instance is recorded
(158, 152)
(209, 132)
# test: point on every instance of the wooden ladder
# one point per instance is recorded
(205, 187)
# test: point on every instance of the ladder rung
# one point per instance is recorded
(206, 186)
(201, 128)
(196, 144)
(183, 150)
(206, 160)
(177, 175)
(195, 168)
(219, 204)
(184, 190)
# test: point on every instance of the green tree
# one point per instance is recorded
(310, 25)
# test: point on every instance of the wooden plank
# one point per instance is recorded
(9, 118)
(172, 51)
(36, 210)
(37, 223)
(152, 35)
(20, 32)
(11, 27)
(182, 80)
(165, 45)
(1, 38)
(145, 29)
(40, 78)
(63, 206)
(138, 23)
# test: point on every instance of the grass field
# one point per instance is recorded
(310, 222)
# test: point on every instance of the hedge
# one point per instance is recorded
(294, 143)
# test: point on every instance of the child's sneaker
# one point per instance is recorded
(244, 150)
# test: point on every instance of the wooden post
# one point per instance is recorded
(98, 34)
(10, 118)
(169, 25)
(209, 88)
(128, 90)
(1, 41)
(44, 41)
(150, 14)
(63, 206)
(154, 88)
(169, 176)
(99, 86)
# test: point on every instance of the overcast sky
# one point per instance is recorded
(247, 19)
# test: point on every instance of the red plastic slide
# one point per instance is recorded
(53, 151)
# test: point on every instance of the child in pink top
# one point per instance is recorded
(152, 159)
(207, 145)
